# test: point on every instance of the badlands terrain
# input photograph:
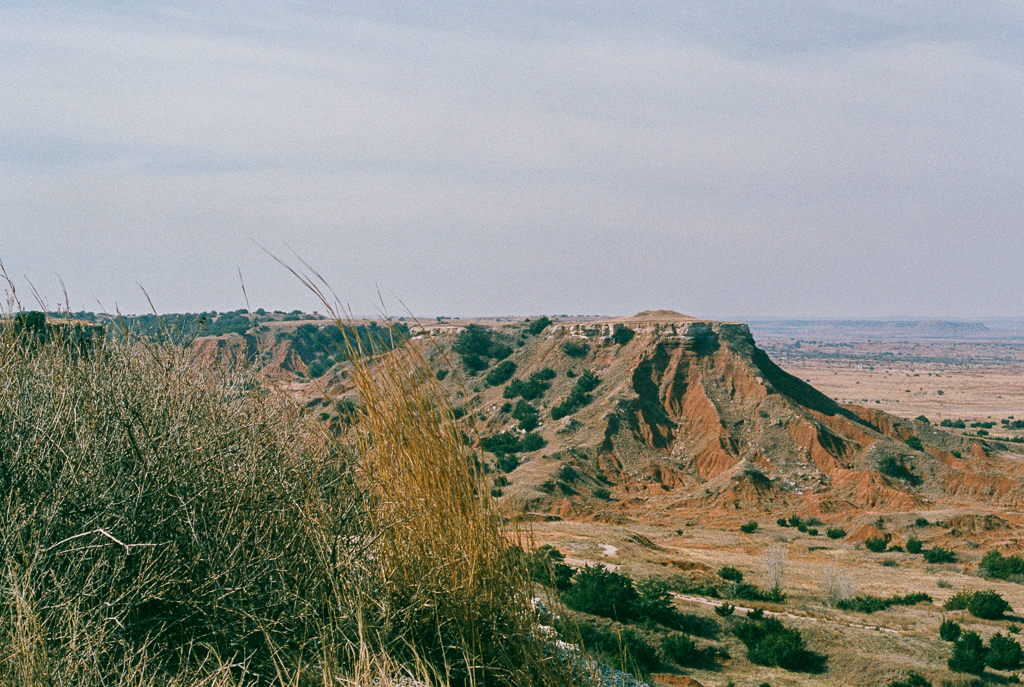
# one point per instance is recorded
(669, 448)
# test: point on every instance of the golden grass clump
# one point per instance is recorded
(166, 523)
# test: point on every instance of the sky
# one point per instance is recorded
(726, 159)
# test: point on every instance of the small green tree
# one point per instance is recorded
(599, 591)
(749, 527)
(1004, 653)
(876, 544)
(987, 605)
(939, 555)
(949, 631)
(914, 545)
(968, 655)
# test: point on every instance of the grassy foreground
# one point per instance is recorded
(166, 523)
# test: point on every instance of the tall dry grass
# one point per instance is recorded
(166, 523)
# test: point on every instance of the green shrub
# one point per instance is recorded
(578, 397)
(949, 631)
(876, 544)
(911, 680)
(725, 610)
(623, 335)
(599, 591)
(988, 605)
(835, 533)
(914, 443)
(749, 527)
(655, 602)
(531, 441)
(624, 650)
(869, 604)
(968, 655)
(683, 651)
(576, 349)
(507, 462)
(893, 466)
(729, 573)
(770, 643)
(527, 415)
(914, 545)
(602, 493)
(921, 522)
(995, 565)
(939, 555)
(959, 601)
(539, 325)
(813, 531)
(500, 373)
(1004, 653)
(547, 566)
(531, 389)
(782, 522)
(794, 521)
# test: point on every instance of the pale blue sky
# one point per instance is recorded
(724, 159)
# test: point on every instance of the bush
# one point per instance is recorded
(939, 555)
(869, 604)
(683, 651)
(835, 533)
(602, 493)
(507, 462)
(893, 466)
(794, 521)
(988, 605)
(914, 545)
(914, 443)
(876, 544)
(995, 565)
(782, 522)
(813, 531)
(547, 566)
(968, 655)
(725, 610)
(527, 415)
(949, 631)
(958, 602)
(921, 522)
(770, 643)
(749, 527)
(623, 335)
(729, 573)
(539, 325)
(531, 441)
(1003, 653)
(578, 397)
(912, 680)
(501, 373)
(576, 349)
(441, 374)
(599, 591)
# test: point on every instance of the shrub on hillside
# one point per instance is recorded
(876, 544)
(527, 415)
(599, 591)
(547, 566)
(501, 373)
(727, 572)
(539, 325)
(683, 651)
(914, 545)
(749, 527)
(1004, 653)
(994, 565)
(623, 335)
(949, 631)
(939, 555)
(578, 397)
(893, 466)
(576, 349)
(988, 605)
(725, 610)
(625, 650)
(914, 443)
(968, 655)
(835, 533)
(911, 680)
(770, 643)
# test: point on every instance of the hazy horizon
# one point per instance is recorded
(727, 160)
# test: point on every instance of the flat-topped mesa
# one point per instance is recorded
(664, 325)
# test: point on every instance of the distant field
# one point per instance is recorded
(977, 377)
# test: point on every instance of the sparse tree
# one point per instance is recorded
(836, 585)
(775, 567)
